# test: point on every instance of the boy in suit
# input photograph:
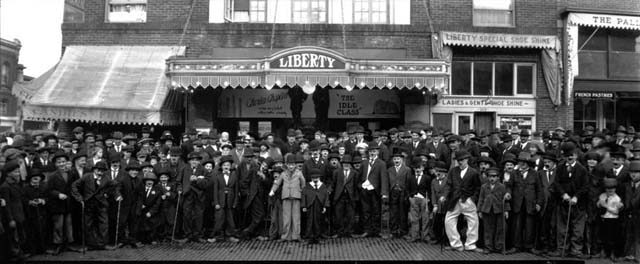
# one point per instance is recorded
(315, 201)
(399, 175)
(12, 193)
(36, 213)
(345, 196)
(169, 199)
(148, 209)
(493, 208)
(226, 198)
(438, 197)
(418, 191)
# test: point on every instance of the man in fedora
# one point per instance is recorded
(93, 191)
(526, 194)
(191, 182)
(59, 204)
(462, 191)
(572, 185)
(547, 226)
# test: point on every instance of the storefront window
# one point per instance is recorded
(492, 78)
(625, 40)
(442, 122)
(516, 122)
(4, 74)
(598, 40)
(585, 114)
(482, 78)
(461, 75)
(525, 79)
(127, 11)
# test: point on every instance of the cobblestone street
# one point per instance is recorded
(370, 249)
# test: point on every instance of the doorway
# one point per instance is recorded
(463, 122)
(485, 122)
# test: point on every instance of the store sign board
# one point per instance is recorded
(276, 103)
(498, 40)
(484, 102)
(308, 60)
(606, 21)
(593, 95)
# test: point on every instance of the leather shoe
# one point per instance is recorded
(554, 254)
(486, 251)
(110, 247)
(511, 251)
(211, 240)
(233, 240)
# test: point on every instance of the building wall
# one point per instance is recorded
(9, 54)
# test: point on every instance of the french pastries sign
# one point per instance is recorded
(276, 103)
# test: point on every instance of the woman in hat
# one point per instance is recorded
(292, 183)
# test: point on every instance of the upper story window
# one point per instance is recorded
(492, 78)
(245, 10)
(493, 13)
(126, 11)
(4, 74)
(370, 11)
(4, 106)
(309, 11)
(608, 53)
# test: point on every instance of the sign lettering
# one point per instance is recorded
(498, 40)
(593, 95)
(484, 102)
(607, 21)
(307, 60)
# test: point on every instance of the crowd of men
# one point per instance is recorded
(554, 193)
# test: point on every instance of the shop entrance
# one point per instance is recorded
(463, 122)
(484, 121)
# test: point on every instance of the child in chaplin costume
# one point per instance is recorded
(493, 208)
(12, 194)
(169, 199)
(315, 201)
(149, 208)
(36, 212)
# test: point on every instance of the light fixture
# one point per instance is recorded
(389, 84)
(349, 88)
(418, 84)
(253, 84)
(174, 83)
(187, 67)
(225, 83)
(308, 88)
(198, 84)
(362, 84)
(268, 87)
(278, 83)
(336, 83)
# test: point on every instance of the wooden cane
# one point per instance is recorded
(566, 231)
(175, 219)
(117, 223)
(83, 227)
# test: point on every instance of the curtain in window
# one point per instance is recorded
(551, 72)
(242, 5)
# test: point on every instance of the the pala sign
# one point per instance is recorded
(307, 60)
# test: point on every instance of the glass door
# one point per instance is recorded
(463, 122)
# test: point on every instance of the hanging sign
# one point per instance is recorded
(306, 59)
(594, 95)
(605, 21)
(498, 40)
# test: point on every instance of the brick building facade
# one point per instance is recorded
(10, 71)
(410, 30)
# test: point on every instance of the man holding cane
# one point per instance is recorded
(572, 186)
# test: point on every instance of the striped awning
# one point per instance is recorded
(105, 84)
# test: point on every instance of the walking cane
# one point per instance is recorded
(117, 223)
(83, 223)
(175, 219)
(566, 233)
(504, 228)
(39, 224)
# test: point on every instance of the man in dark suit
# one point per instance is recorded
(60, 204)
(632, 200)
(256, 186)
(191, 182)
(12, 193)
(93, 190)
(345, 196)
(316, 162)
(418, 189)
(315, 202)
(463, 189)
(226, 188)
(417, 144)
(117, 148)
(547, 225)
(572, 185)
(527, 197)
(399, 176)
(373, 185)
(130, 185)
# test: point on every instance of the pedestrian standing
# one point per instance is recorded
(610, 203)
(493, 210)
(226, 188)
(148, 209)
(130, 186)
(168, 197)
(291, 182)
(399, 176)
(12, 193)
(438, 198)
(35, 196)
(60, 204)
(192, 183)
(315, 202)
(345, 196)
(418, 189)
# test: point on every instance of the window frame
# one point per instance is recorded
(229, 12)
(5, 72)
(4, 107)
(493, 79)
(513, 16)
(370, 13)
(326, 15)
(107, 10)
